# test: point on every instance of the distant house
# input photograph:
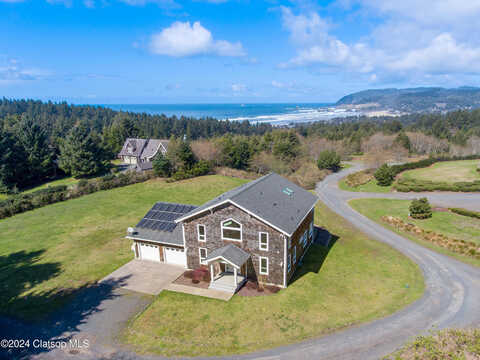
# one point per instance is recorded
(135, 151)
(260, 230)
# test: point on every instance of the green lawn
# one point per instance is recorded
(448, 171)
(49, 252)
(357, 280)
(65, 181)
(449, 224)
(371, 186)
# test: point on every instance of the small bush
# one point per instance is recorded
(384, 175)
(420, 209)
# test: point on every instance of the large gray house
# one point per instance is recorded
(259, 230)
(136, 151)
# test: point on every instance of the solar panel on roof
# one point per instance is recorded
(162, 216)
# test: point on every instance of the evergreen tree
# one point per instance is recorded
(13, 167)
(185, 154)
(403, 140)
(162, 166)
(39, 155)
(81, 154)
(329, 159)
(420, 209)
(384, 175)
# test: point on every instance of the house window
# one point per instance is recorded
(263, 265)
(263, 239)
(203, 255)
(294, 254)
(201, 233)
(304, 238)
(289, 262)
(311, 230)
(231, 230)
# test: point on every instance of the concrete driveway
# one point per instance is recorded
(146, 277)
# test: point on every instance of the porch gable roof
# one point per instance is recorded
(230, 253)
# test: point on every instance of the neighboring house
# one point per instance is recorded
(135, 151)
(260, 230)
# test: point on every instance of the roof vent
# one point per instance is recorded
(288, 191)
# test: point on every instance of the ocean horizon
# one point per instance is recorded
(272, 113)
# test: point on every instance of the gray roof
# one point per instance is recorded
(231, 253)
(272, 198)
(159, 224)
(144, 166)
(143, 148)
(136, 145)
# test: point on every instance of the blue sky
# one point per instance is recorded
(217, 51)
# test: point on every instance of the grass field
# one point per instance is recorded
(454, 344)
(357, 280)
(371, 186)
(47, 253)
(448, 171)
(65, 181)
(447, 223)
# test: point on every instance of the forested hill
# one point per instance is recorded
(425, 99)
(57, 119)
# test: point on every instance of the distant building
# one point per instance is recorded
(136, 151)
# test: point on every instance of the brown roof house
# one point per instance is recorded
(259, 231)
(140, 152)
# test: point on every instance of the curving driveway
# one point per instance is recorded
(469, 201)
(451, 299)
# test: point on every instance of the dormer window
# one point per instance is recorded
(231, 230)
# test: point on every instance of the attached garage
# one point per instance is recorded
(157, 237)
(149, 252)
(175, 256)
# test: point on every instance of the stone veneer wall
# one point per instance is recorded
(251, 227)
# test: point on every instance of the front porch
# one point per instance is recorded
(227, 281)
(228, 268)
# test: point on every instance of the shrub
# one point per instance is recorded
(384, 175)
(162, 166)
(465, 212)
(420, 209)
(201, 168)
(359, 178)
(329, 160)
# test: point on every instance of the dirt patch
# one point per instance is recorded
(183, 280)
(440, 209)
(252, 289)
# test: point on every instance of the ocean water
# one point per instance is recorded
(275, 114)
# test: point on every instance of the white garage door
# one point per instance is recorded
(149, 252)
(175, 256)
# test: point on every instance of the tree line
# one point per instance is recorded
(42, 140)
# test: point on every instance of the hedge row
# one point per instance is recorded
(465, 212)
(397, 169)
(407, 185)
(24, 202)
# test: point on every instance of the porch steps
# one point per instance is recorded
(223, 287)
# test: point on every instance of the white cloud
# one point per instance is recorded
(239, 87)
(11, 71)
(185, 39)
(401, 44)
